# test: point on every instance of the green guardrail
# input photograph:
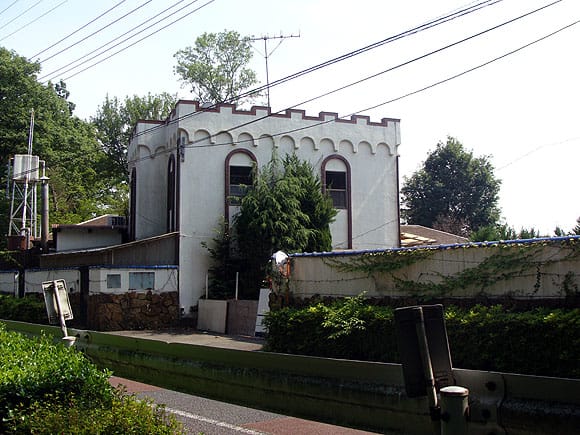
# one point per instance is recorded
(364, 395)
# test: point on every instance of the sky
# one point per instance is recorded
(521, 111)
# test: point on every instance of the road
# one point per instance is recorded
(210, 417)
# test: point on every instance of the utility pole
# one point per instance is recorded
(267, 54)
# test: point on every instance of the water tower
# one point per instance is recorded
(25, 172)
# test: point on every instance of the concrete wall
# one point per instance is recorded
(9, 282)
(543, 269)
(80, 239)
(207, 138)
(33, 279)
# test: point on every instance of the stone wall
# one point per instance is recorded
(132, 310)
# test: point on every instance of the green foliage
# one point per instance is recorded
(27, 309)
(126, 415)
(36, 370)
(284, 210)
(68, 145)
(216, 67)
(115, 120)
(47, 389)
(543, 341)
(454, 191)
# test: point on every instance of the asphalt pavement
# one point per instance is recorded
(210, 417)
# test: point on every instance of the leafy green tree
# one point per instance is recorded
(66, 143)
(454, 191)
(115, 120)
(576, 229)
(216, 67)
(496, 232)
(284, 210)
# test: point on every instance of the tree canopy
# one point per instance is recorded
(285, 209)
(115, 120)
(66, 143)
(453, 191)
(216, 67)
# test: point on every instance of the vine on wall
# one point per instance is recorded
(509, 261)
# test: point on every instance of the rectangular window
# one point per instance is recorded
(240, 182)
(113, 280)
(336, 188)
(141, 280)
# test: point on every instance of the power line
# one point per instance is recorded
(117, 38)
(425, 26)
(145, 37)
(79, 29)
(22, 13)
(35, 20)
(97, 31)
(8, 7)
(432, 85)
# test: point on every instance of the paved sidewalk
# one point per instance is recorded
(210, 417)
(192, 336)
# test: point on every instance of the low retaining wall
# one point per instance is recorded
(537, 269)
(133, 310)
(365, 395)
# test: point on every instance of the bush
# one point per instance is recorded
(28, 309)
(49, 388)
(542, 341)
(126, 415)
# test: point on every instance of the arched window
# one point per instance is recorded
(239, 170)
(171, 215)
(336, 181)
(132, 204)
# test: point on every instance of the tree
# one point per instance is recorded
(216, 67)
(66, 143)
(454, 191)
(115, 120)
(284, 210)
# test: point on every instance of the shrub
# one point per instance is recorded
(542, 341)
(28, 309)
(48, 388)
(126, 415)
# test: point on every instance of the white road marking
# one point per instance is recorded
(214, 422)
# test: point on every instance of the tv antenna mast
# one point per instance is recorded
(267, 53)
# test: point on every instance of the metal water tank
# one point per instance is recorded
(25, 164)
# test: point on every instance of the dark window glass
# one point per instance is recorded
(240, 182)
(336, 188)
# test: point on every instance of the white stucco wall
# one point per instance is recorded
(371, 150)
(9, 282)
(166, 278)
(77, 239)
(33, 279)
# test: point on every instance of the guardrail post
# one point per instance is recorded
(454, 410)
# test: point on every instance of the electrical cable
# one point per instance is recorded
(95, 32)
(142, 39)
(8, 7)
(387, 102)
(429, 24)
(22, 13)
(119, 43)
(79, 29)
(35, 20)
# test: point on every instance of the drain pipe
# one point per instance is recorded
(44, 223)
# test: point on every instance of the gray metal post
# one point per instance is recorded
(454, 410)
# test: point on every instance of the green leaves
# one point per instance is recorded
(216, 67)
(454, 191)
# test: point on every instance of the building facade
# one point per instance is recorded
(189, 171)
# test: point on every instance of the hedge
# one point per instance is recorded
(50, 388)
(543, 342)
(29, 309)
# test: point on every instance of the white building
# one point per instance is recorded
(185, 170)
